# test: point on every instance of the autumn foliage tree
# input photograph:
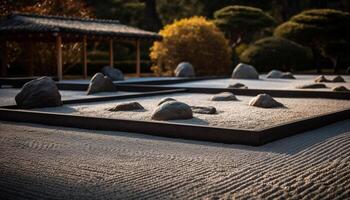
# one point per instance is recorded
(195, 40)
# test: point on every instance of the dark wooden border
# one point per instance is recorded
(168, 129)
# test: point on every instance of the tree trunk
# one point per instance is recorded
(335, 64)
(152, 20)
(316, 59)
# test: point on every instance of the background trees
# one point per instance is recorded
(277, 53)
(241, 23)
(325, 31)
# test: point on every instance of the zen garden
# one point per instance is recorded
(160, 99)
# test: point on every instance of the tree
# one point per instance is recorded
(321, 30)
(242, 22)
(277, 53)
(195, 40)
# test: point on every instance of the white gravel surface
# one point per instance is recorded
(232, 114)
(263, 83)
(42, 162)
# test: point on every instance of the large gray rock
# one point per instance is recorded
(41, 92)
(204, 109)
(312, 86)
(100, 83)
(279, 74)
(265, 101)
(224, 96)
(163, 100)
(321, 79)
(340, 89)
(244, 71)
(112, 73)
(184, 69)
(172, 110)
(338, 79)
(127, 107)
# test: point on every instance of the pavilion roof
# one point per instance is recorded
(23, 23)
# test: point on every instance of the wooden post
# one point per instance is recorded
(59, 57)
(111, 58)
(30, 58)
(84, 57)
(4, 59)
(138, 61)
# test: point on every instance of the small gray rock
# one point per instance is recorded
(244, 71)
(340, 89)
(41, 92)
(165, 100)
(279, 74)
(338, 79)
(113, 73)
(265, 101)
(322, 79)
(287, 75)
(184, 69)
(126, 107)
(312, 86)
(100, 83)
(172, 110)
(238, 86)
(274, 74)
(224, 96)
(204, 109)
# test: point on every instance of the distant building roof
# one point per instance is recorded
(23, 23)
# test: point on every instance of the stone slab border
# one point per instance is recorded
(169, 129)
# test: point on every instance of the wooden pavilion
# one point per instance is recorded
(60, 30)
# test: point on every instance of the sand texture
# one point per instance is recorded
(263, 83)
(231, 114)
(41, 162)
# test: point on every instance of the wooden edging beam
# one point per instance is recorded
(84, 57)
(138, 59)
(59, 57)
(111, 53)
(177, 130)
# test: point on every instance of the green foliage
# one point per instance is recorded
(326, 31)
(242, 19)
(316, 26)
(195, 40)
(277, 53)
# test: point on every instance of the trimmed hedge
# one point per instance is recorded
(277, 53)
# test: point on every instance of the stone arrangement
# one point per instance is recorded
(312, 86)
(172, 110)
(279, 74)
(112, 73)
(209, 110)
(224, 96)
(244, 71)
(237, 86)
(322, 78)
(100, 83)
(127, 107)
(340, 89)
(265, 101)
(38, 93)
(184, 69)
